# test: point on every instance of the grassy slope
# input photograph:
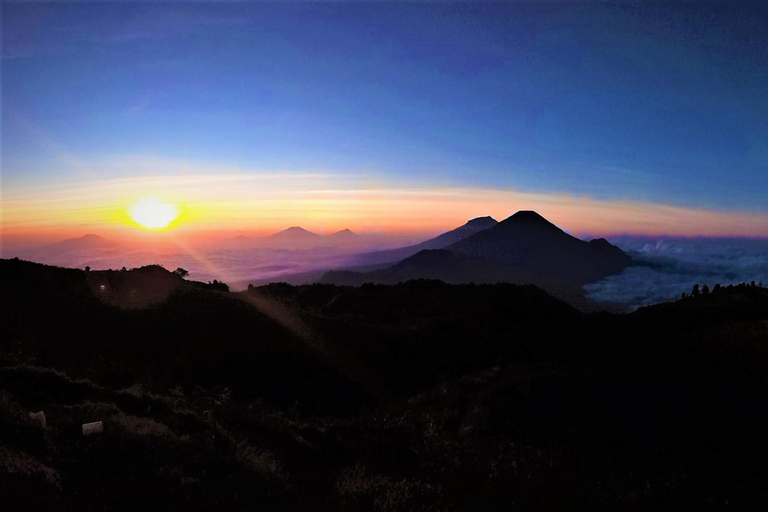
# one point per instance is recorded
(415, 396)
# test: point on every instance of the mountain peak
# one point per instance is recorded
(86, 238)
(529, 241)
(528, 216)
(293, 235)
(487, 221)
(294, 230)
(344, 232)
(89, 239)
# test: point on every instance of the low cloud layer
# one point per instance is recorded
(233, 265)
(667, 267)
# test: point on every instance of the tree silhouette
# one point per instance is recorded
(695, 291)
(216, 285)
(705, 290)
(181, 272)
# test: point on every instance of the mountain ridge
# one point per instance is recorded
(469, 228)
(528, 240)
(525, 248)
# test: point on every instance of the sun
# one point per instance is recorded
(152, 214)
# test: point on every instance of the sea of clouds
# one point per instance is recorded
(664, 267)
(236, 267)
(667, 267)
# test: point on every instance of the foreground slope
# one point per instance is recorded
(415, 396)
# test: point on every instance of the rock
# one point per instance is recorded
(97, 427)
(39, 418)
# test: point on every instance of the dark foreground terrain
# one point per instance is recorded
(415, 396)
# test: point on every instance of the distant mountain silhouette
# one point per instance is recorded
(527, 240)
(433, 264)
(344, 234)
(89, 241)
(451, 268)
(294, 233)
(439, 242)
(294, 237)
(523, 249)
(470, 228)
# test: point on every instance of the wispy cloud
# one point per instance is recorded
(226, 197)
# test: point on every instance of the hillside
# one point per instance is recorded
(527, 240)
(448, 267)
(523, 249)
(344, 234)
(415, 396)
(445, 239)
(294, 236)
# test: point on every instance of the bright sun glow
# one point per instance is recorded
(152, 214)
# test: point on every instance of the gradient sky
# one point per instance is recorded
(336, 115)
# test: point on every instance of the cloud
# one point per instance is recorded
(670, 266)
(89, 194)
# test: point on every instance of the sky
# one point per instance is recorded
(252, 117)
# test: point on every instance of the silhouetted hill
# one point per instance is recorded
(529, 241)
(416, 396)
(393, 255)
(344, 234)
(523, 249)
(81, 243)
(86, 240)
(294, 234)
(433, 264)
(470, 228)
(451, 268)
(164, 329)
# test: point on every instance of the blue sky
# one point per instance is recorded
(653, 104)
